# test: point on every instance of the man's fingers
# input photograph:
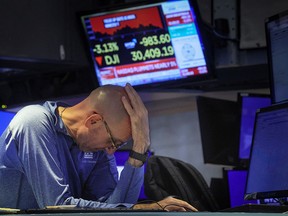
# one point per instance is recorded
(133, 96)
(176, 205)
(127, 106)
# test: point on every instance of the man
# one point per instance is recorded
(58, 155)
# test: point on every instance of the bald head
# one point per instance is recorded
(106, 101)
(89, 121)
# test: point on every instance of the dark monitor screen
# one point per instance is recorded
(249, 104)
(219, 129)
(5, 118)
(267, 174)
(147, 43)
(277, 40)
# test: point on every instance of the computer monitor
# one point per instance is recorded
(249, 103)
(277, 39)
(236, 180)
(147, 43)
(5, 118)
(267, 173)
(219, 130)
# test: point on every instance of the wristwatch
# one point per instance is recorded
(138, 156)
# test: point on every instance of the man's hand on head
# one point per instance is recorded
(139, 122)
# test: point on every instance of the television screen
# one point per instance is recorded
(249, 104)
(267, 175)
(277, 37)
(5, 118)
(219, 129)
(147, 43)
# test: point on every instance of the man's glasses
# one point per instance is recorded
(114, 145)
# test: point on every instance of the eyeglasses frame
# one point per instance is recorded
(111, 137)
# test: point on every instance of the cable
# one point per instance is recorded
(212, 30)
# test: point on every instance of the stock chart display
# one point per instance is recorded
(145, 44)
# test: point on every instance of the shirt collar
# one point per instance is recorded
(58, 122)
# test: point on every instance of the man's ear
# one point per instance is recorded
(93, 119)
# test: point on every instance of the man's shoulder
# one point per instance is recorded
(47, 107)
(35, 111)
(32, 114)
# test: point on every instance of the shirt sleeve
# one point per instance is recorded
(103, 183)
(129, 185)
(125, 193)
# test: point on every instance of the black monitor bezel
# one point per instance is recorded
(266, 194)
(180, 83)
(269, 56)
(245, 162)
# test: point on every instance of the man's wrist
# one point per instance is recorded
(138, 156)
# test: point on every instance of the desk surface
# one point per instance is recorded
(247, 210)
(156, 214)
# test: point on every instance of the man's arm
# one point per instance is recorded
(42, 161)
(139, 123)
(103, 183)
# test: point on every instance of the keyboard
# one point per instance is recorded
(258, 208)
